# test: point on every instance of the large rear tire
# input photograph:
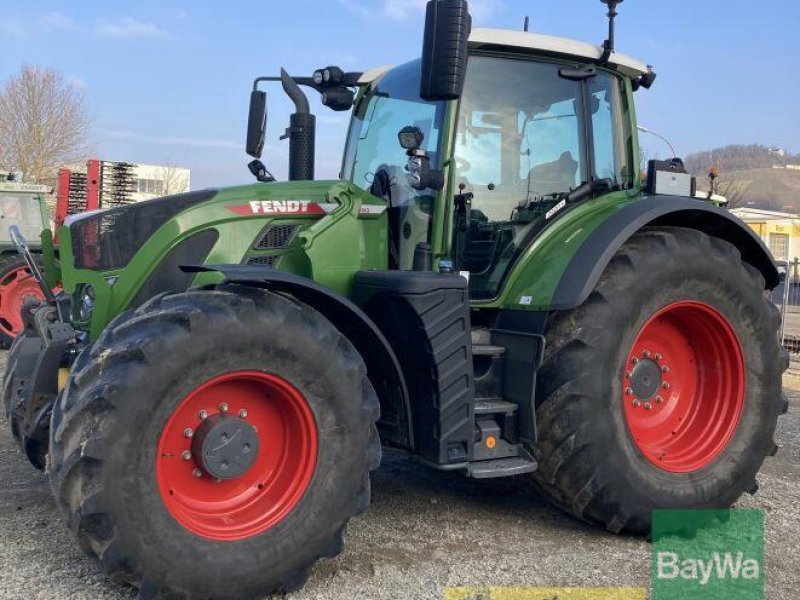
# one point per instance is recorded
(663, 389)
(156, 504)
(17, 286)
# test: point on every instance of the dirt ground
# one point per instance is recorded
(424, 530)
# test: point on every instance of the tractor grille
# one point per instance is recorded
(267, 261)
(277, 236)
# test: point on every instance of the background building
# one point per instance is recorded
(779, 230)
(153, 181)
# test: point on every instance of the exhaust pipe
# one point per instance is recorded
(301, 132)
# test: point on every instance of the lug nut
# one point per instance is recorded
(659, 400)
(635, 359)
(188, 432)
(217, 480)
(223, 408)
(243, 414)
(636, 404)
(665, 385)
(629, 391)
(628, 374)
(186, 455)
(648, 406)
(202, 415)
(646, 353)
(197, 473)
(665, 369)
(658, 356)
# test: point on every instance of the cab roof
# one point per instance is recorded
(487, 38)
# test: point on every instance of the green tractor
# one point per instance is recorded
(21, 204)
(486, 288)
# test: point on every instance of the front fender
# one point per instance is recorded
(383, 367)
(572, 279)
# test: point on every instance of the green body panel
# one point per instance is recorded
(538, 271)
(319, 251)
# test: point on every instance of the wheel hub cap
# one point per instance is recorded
(225, 446)
(645, 379)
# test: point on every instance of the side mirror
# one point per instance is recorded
(256, 124)
(444, 49)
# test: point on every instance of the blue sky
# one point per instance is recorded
(169, 80)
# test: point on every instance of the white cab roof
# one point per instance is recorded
(483, 37)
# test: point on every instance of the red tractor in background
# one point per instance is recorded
(105, 184)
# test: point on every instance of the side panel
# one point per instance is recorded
(562, 267)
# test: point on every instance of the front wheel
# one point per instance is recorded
(214, 444)
(663, 389)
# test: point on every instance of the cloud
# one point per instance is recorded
(58, 20)
(409, 10)
(129, 27)
(11, 27)
(169, 140)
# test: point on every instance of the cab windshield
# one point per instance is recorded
(375, 162)
(25, 212)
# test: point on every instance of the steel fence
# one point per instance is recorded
(787, 297)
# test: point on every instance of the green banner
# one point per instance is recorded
(708, 555)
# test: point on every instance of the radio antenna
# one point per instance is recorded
(608, 45)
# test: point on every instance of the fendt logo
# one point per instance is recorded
(278, 207)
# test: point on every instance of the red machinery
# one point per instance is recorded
(104, 184)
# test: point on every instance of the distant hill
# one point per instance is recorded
(739, 158)
(755, 174)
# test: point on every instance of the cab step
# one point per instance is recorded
(487, 350)
(494, 406)
(502, 467)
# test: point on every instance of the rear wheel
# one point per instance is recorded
(17, 286)
(214, 444)
(664, 388)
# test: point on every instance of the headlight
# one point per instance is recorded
(87, 303)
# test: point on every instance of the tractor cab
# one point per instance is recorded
(23, 205)
(538, 128)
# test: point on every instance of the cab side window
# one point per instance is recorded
(610, 131)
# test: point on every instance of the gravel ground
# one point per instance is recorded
(424, 530)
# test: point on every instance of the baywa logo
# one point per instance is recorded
(708, 554)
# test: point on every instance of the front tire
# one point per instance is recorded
(663, 389)
(163, 510)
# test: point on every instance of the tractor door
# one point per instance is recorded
(526, 137)
(375, 161)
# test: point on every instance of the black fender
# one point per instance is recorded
(587, 265)
(383, 367)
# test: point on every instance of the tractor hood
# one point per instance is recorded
(107, 240)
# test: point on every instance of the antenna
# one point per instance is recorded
(608, 45)
(527, 23)
(659, 136)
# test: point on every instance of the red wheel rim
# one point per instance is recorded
(239, 508)
(16, 288)
(683, 387)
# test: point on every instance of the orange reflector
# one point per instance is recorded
(491, 442)
(63, 375)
